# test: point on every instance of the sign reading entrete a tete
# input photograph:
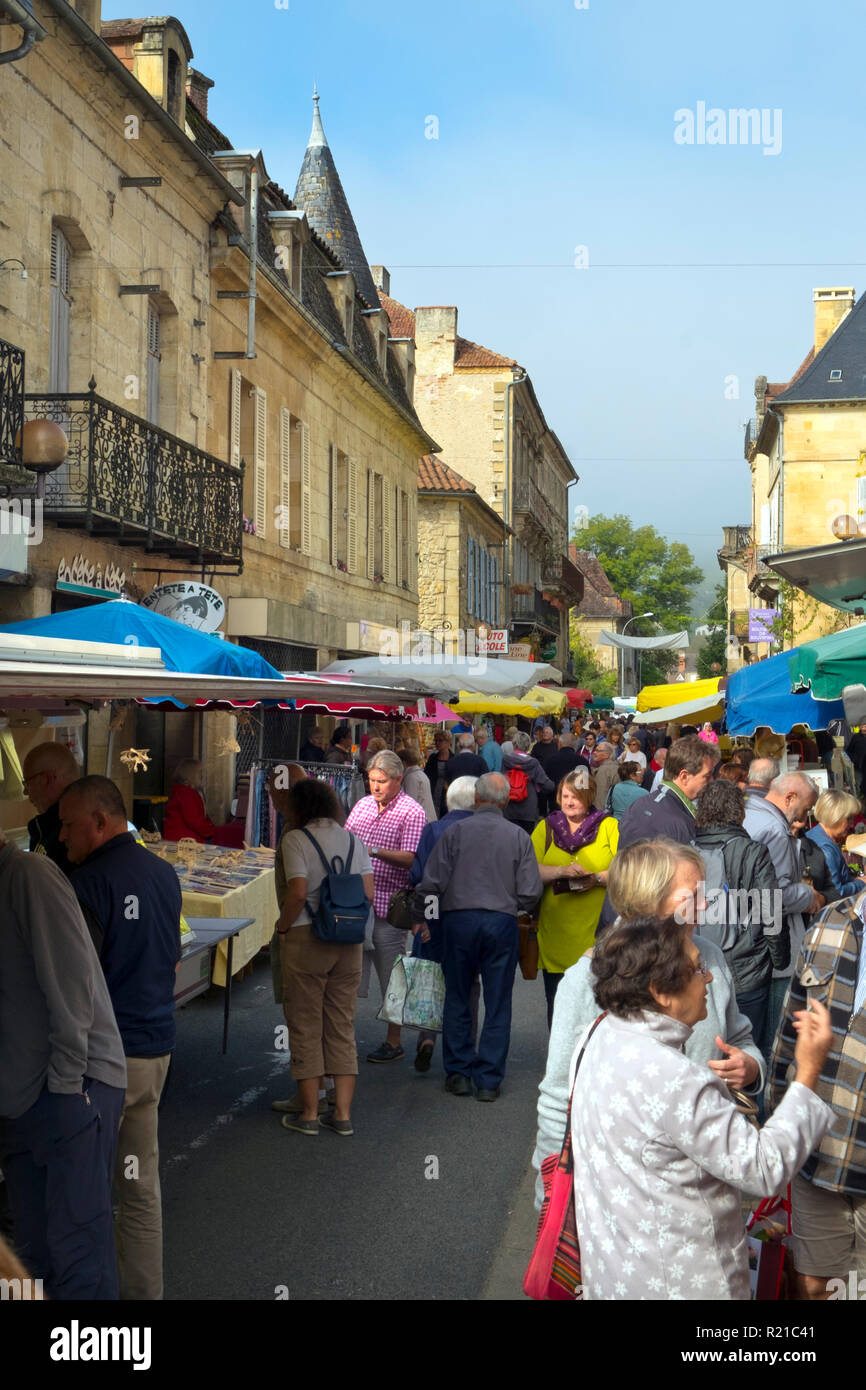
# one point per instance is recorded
(196, 605)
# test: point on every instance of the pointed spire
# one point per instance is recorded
(317, 134)
(319, 193)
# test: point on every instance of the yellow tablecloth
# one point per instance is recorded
(256, 899)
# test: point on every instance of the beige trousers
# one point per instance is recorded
(138, 1223)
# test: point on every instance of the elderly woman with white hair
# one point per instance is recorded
(651, 878)
(390, 824)
(835, 811)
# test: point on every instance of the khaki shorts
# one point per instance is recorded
(829, 1231)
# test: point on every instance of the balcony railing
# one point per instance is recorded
(737, 540)
(758, 576)
(11, 402)
(753, 429)
(527, 501)
(535, 609)
(563, 578)
(132, 481)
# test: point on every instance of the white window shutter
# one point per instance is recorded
(235, 419)
(285, 477)
(387, 532)
(58, 368)
(371, 523)
(332, 494)
(260, 448)
(352, 524)
(306, 493)
(399, 576)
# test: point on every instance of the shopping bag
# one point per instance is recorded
(767, 1240)
(528, 949)
(553, 1272)
(415, 996)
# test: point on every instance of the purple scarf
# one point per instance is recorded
(570, 841)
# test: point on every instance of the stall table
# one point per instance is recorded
(212, 890)
(194, 971)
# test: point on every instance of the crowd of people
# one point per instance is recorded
(699, 936)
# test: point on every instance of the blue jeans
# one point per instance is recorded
(484, 943)
(755, 1005)
(778, 990)
(58, 1162)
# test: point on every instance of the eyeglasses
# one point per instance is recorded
(25, 781)
(702, 969)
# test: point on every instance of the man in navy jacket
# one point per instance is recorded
(131, 902)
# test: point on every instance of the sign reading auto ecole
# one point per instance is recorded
(186, 602)
(491, 642)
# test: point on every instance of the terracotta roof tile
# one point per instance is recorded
(775, 388)
(436, 476)
(599, 598)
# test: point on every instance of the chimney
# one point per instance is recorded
(197, 88)
(831, 307)
(435, 339)
(381, 278)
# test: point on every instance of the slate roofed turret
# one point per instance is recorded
(319, 193)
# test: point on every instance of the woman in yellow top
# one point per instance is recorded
(574, 846)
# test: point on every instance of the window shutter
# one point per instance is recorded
(352, 524)
(470, 575)
(332, 494)
(399, 576)
(413, 542)
(387, 532)
(371, 523)
(285, 477)
(58, 370)
(306, 491)
(260, 448)
(153, 359)
(235, 418)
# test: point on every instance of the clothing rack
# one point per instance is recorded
(262, 819)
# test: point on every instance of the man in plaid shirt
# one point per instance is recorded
(829, 1193)
(390, 824)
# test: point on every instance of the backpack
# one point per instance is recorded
(344, 907)
(518, 784)
(720, 919)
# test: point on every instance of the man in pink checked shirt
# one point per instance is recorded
(390, 824)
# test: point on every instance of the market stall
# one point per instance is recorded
(654, 697)
(760, 695)
(536, 701)
(825, 667)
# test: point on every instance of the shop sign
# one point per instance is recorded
(194, 605)
(520, 651)
(491, 641)
(760, 624)
(83, 577)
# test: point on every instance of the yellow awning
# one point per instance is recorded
(535, 701)
(660, 696)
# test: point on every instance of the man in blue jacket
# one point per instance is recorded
(131, 902)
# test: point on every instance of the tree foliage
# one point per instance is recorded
(588, 674)
(653, 574)
(712, 658)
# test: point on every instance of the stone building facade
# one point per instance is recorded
(461, 543)
(482, 408)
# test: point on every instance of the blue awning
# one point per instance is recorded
(183, 649)
(761, 695)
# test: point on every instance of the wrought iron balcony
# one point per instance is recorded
(536, 610)
(759, 578)
(11, 402)
(533, 509)
(134, 482)
(562, 578)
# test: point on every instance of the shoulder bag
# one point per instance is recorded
(553, 1272)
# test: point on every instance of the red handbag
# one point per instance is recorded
(553, 1271)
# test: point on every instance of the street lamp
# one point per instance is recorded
(634, 619)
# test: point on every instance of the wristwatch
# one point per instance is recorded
(374, 854)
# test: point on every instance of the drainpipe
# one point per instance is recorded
(254, 251)
(507, 509)
(20, 12)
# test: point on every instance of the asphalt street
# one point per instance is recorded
(429, 1199)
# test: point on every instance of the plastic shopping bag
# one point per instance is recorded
(415, 996)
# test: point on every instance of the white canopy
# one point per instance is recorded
(667, 641)
(447, 677)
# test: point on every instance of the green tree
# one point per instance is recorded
(655, 575)
(712, 658)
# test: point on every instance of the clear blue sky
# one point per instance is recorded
(556, 129)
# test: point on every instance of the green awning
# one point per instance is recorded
(831, 663)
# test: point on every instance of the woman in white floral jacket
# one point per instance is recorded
(661, 1154)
